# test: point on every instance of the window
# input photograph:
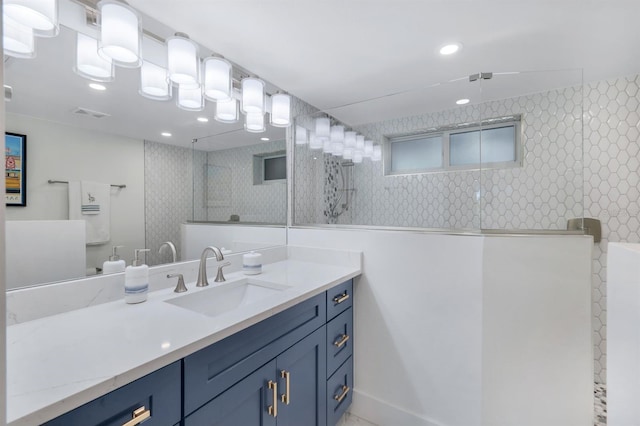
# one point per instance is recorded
(493, 144)
(270, 167)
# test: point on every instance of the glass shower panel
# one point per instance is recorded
(543, 187)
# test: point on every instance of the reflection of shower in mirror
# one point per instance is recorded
(340, 198)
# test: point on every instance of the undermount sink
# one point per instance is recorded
(221, 298)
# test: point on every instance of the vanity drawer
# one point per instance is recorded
(158, 393)
(339, 340)
(339, 298)
(212, 370)
(339, 392)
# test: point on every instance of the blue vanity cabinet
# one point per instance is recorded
(153, 399)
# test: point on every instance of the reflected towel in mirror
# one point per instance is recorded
(96, 196)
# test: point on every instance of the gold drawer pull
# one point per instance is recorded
(273, 409)
(342, 341)
(345, 391)
(285, 396)
(139, 416)
(340, 298)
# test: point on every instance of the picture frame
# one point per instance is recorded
(15, 148)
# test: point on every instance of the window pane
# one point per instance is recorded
(498, 145)
(275, 168)
(464, 148)
(416, 154)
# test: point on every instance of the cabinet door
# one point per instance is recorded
(244, 404)
(302, 372)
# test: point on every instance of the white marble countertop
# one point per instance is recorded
(57, 363)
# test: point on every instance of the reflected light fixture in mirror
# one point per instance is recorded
(357, 157)
(227, 111)
(190, 99)
(347, 153)
(301, 135)
(350, 139)
(120, 34)
(280, 110)
(18, 39)
(323, 128)
(368, 149)
(182, 57)
(217, 79)
(153, 82)
(39, 15)
(360, 143)
(314, 142)
(88, 63)
(254, 122)
(252, 94)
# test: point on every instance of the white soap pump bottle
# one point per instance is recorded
(114, 264)
(136, 279)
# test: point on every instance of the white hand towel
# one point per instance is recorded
(97, 222)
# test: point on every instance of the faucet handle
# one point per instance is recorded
(180, 287)
(220, 275)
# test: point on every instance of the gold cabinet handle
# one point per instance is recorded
(139, 416)
(340, 298)
(345, 391)
(273, 409)
(285, 396)
(342, 341)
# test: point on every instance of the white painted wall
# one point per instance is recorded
(59, 152)
(436, 316)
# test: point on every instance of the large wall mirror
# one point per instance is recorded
(205, 171)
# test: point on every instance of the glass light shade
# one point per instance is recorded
(153, 82)
(314, 142)
(217, 79)
(301, 135)
(120, 33)
(327, 146)
(88, 63)
(360, 143)
(337, 148)
(39, 15)
(323, 128)
(377, 153)
(368, 148)
(254, 122)
(18, 39)
(252, 95)
(337, 134)
(190, 99)
(347, 153)
(280, 110)
(183, 61)
(227, 111)
(357, 157)
(350, 139)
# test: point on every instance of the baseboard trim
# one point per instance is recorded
(381, 413)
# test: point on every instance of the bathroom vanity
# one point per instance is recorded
(273, 349)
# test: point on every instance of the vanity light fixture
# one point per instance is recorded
(360, 143)
(450, 49)
(323, 128)
(357, 157)
(120, 33)
(314, 142)
(166, 134)
(254, 122)
(18, 39)
(97, 86)
(377, 153)
(337, 149)
(184, 64)
(190, 99)
(347, 153)
(462, 101)
(153, 82)
(301, 135)
(88, 63)
(326, 146)
(350, 139)
(227, 111)
(203, 119)
(280, 110)
(252, 94)
(39, 15)
(337, 134)
(217, 79)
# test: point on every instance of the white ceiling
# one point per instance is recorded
(332, 53)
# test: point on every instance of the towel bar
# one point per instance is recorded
(65, 181)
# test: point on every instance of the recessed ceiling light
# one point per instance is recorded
(96, 86)
(450, 49)
(166, 134)
(462, 101)
(264, 139)
(203, 119)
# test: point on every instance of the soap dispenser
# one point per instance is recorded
(114, 264)
(136, 279)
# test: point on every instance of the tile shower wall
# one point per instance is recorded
(557, 175)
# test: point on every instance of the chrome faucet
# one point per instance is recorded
(172, 247)
(202, 272)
